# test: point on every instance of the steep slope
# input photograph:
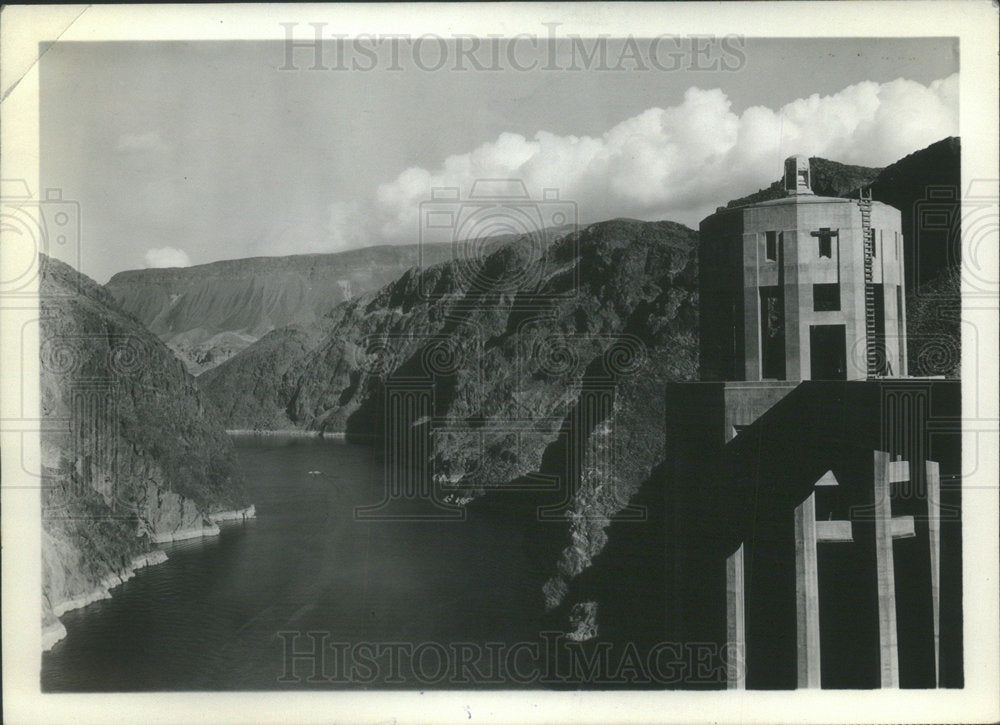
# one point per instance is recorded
(245, 388)
(933, 326)
(926, 188)
(209, 312)
(131, 455)
(563, 385)
(928, 180)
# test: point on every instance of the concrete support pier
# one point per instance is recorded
(736, 632)
(885, 572)
(933, 473)
(807, 594)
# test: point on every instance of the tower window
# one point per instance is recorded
(771, 246)
(874, 244)
(825, 236)
(826, 297)
(772, 338)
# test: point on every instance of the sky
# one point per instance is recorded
(184, 153)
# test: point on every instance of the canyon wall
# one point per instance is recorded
(131, 454)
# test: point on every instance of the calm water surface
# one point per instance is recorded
(209, 618)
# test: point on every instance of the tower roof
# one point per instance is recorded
(795, 188)
(798, 175)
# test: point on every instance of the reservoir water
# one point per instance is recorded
(228, 612)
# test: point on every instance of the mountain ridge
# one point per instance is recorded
(207, 313)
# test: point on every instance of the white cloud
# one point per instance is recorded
(167, 257)
(681, 162)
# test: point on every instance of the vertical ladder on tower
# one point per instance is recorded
(871, 353)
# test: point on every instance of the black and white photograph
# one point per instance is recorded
(503, 362)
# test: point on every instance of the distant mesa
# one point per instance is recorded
(209, 312)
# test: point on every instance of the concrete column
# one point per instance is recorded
(934, 535)
(807, 594)
(885, 573)
(796, 346)
(735, 621)
(904, 360)
(751, 308)
(853, 294)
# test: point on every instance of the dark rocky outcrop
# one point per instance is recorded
(921, 186)
(933, 326)
(209, 312)
(244, 389)
(131, 455)
(926, 188)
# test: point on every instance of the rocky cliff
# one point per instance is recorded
(209, 312)
(247, 390)
(131, 455)
(546, 368)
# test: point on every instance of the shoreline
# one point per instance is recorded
(336, 435)
(250, 512)
(287, 433)
(56, 631)
(212, 529)
(52, 634)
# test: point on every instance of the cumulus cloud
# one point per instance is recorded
(681, 162)
(167, 257)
